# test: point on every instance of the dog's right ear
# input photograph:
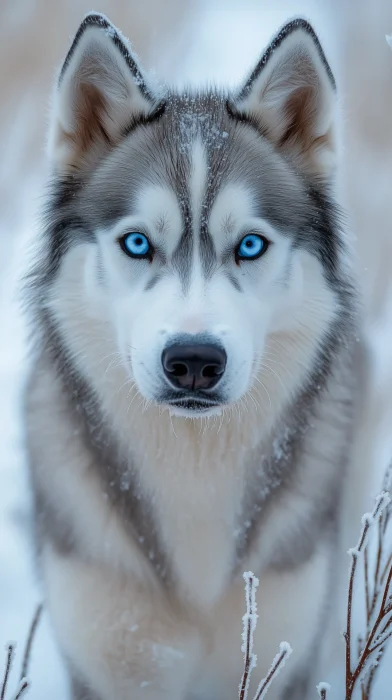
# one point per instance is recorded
(101, 91)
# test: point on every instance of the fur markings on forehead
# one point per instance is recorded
(195, 123)
(197, 185)
(234, 204)
(160, 205)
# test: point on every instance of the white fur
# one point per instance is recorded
(118, 633)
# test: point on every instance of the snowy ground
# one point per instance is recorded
(209, 58)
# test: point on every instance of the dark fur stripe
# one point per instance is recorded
(97, 20)
(289, 28)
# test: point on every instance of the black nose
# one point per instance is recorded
(194, 366)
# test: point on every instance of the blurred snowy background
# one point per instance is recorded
(187, 41)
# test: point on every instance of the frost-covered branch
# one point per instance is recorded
(279, 661)
(23, 684)
(323, 690)
(355, 553)
(378, 599)
(249, 621)
(30, 640)
(379, 630)
(21, 690)
(7, 670)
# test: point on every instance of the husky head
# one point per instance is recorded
(191, 237)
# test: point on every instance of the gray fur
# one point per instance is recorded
(116, 477)
(80, 692)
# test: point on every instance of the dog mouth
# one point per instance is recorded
(193, 405)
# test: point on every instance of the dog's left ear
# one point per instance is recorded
(291, 97)
(100, 93)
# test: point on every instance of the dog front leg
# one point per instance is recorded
(122, 639)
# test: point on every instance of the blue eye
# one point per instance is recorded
(136, 245)
(251, 247)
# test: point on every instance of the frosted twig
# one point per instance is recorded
(249, 625)
(323, 690)
(367, 587)
(7, 670)
(250, 659)
(386, 569)
(355, 553)
(279, 661)
(378, 633)
(22, 687)
(24, 684)
(381, 527)
(30, 640)
(366, 686)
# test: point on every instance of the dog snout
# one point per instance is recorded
(194, 366)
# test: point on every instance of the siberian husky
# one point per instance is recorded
(191, 406)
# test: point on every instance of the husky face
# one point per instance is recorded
(195, 230)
